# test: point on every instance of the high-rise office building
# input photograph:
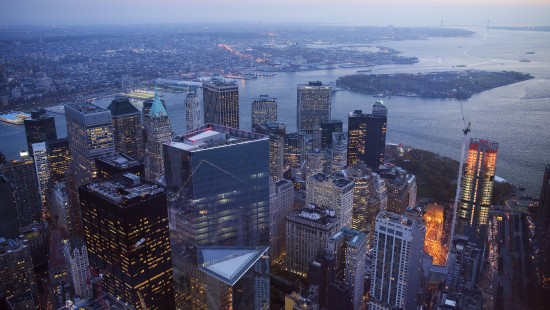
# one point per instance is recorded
(78, 266)
(477, 189)
(346, 254)
(543, 230)
(314, 106)
(41, 167)
(338, 152)
(307, 234)
(58, 201)
(363, 217)
(281, 200)
(398, 192)
(158, 131)
(276, 133)
(232, 278)
(328, 128)
(463, 266)
(39, 128)
(396, 262)
(333, 193)
(193, 111)
(367, 136)
(221, 103)
(90, 135)
(264, 110)
(58, 158)
(22, 176)
(126, 228)
(317, 161)
(127, 128)
(16, 269)
(221, 178)
(9, 223)
(294, 152)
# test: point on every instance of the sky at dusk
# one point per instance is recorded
(352, 12)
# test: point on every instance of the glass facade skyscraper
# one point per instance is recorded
(367, 136)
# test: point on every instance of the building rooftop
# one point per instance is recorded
(85, 107)
(356, 238)
(119, 160)
(221, 83)
(122, 107)
(395, 218)
(322, 177)
(212, 135)
(228, 264)
(315, 215)
(124, 190)
(157, 108)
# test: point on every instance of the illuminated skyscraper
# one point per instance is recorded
(280, 205)
(126, 228)
(127, 128)
(264, 110)
(16, 269)
(90, 135)
(158, 130)
(21, 174)
(58, 158)
(396, 262)
(367, 136)
(314, 106)
(276, 133)
(363, 218)
(39, 128)
(41, 167)
(221, 103)
(477, 189)
(192, 110)
(333, 193)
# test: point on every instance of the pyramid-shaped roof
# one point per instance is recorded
(121, 107)
(157, 109)
(228, 264)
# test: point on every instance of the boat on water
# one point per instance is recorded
(524, 60)
(14, 117)
(366, 70)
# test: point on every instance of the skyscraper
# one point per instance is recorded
(314, 106)
(90, 135)
(276, 133)
(220, 176)
(543, 229)
(363, 217)
(158, 131)
(41, 167)
(9, 223)
(280, 205)
(21, 174)
(367, 136)
(328, 128)
(58, 158)
(126, 228)
(221, 103)
(127, 128)
(78, 266)
(16, 269)
(463, 266)
(333, 193)
(118, 163)
(264, 110)
(397, 258)
(39, 128)
(477, 189)
(192, 110)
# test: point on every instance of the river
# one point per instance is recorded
(517, 116)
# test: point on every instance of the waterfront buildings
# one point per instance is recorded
(543, 229)
(193, 111)
(307, 233)
(396, 263)
(264, 110)
(333, 193)
(158, 131)
(39, 128)
(22, 177)
(126, 228)
(127, 128)
(367, 136)
(477, 189)
(78, 266)
(221, 103)
(281, 199)
(90, 136)
(314, 106)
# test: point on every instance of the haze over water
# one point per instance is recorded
(517, 116)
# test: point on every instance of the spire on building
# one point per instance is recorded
(157, 109)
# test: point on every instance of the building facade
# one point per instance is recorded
(41, 167)
(158, 131)
(333, 193)
(78, 266)
(221, 103)
(477, 189)
(126, 229)
(281, 200)
(193, 111)
(127, 128)
(58, 158)
(314, 106)
(264, 110)
(39, 128)
(367, 136)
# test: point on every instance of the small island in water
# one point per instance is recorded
(454, 84)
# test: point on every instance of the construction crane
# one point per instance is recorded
(465, 132)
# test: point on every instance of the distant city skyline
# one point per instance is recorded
(352, 12)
